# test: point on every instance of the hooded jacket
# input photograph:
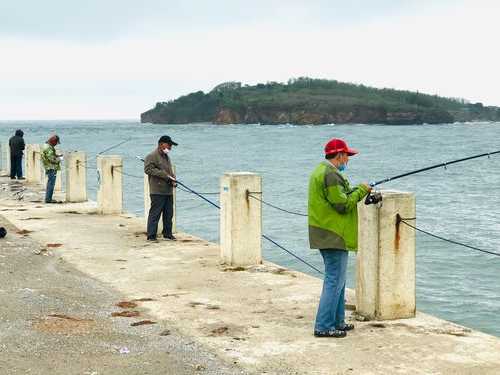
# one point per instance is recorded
(16, 144)
(332, 209)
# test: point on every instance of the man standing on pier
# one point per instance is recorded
(333, 229)
(16, 144)
(51, 163)
(158, 167)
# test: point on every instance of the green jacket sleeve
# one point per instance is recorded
(343, 201)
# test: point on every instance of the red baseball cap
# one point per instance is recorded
(335, 145)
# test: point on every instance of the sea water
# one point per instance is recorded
(460, 202)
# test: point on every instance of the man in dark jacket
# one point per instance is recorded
(16, 144)
(158, 167)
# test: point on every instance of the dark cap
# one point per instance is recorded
(166, 139)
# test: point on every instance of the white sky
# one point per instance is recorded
(117, 60)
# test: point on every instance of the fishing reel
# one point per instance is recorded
(373, 198)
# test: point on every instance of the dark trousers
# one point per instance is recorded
(16, 166)
(51, 183)
(161, 205)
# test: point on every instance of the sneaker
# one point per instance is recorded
(170, 238)
(52, 201)
(346, 327)
(151, 238)
(21, 178)
(336, 333)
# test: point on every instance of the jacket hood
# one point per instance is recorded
(19, 133)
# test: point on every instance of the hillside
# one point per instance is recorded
(315, 101)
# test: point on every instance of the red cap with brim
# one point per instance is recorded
(336, 145)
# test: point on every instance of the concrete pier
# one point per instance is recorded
(257, 317)
(110, 193)
(240, 219)
(385, 286)
(76, 176)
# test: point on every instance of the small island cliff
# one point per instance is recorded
(305, 101)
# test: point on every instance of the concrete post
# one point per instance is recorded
(5, 159)
(76, 176)
(29, 156)
(240, 219)
(147, 205)
(38, 170)
(2, 171)
(110, 193)
(59, 178)
(385, 283)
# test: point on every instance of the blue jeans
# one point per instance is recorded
(51, 182)
(331, 310)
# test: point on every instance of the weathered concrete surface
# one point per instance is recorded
(385, 263)
(110, 193)
(55, 320)
(260, 317)
(240, 219)
(76, 176)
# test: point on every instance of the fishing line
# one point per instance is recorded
(263, 235)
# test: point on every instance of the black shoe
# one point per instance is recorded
(336, 333)
(170, 237)
(52, 201)
(21, 178)
(346, 327)
(152, 239)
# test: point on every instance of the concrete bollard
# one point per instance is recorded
(76, 176)
(385, 282)
(147, 205)
(30, 163)
(240, 219)
(110, 193)
(4, 159)
(38, 170)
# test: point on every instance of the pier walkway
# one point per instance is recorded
(259, 318)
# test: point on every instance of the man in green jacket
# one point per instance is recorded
(333, 229)
(52, 163)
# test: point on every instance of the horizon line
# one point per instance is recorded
(74, 119)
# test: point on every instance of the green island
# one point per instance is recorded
(305, 101)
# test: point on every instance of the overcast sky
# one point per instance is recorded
(99, 59)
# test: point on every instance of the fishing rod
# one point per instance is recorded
(377, 197)
(115, 146)
(176, 181)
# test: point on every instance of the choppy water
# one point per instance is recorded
(461, 202)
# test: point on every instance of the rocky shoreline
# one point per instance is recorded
(314, 102)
